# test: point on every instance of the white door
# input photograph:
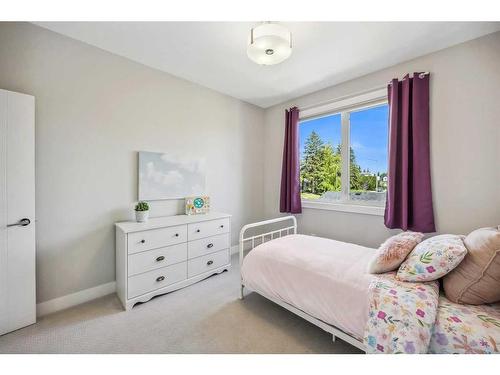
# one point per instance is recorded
(17, 211)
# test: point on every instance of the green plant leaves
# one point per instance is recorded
(426, 257)
(142, 206)
(487, 319)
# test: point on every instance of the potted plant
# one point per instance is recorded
(142, 211)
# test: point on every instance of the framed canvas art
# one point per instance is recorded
(164, 176)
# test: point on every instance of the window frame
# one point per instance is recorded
(345, 106)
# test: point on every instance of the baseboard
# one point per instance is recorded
(64, 302)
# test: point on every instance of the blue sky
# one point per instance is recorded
(368, 135)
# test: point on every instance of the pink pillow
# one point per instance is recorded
(393, 252)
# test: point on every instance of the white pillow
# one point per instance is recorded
(433, 258)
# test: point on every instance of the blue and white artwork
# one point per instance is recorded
(165, 176)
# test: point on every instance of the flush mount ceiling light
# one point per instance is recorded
(269, 44)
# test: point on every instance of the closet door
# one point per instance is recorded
(17, 211)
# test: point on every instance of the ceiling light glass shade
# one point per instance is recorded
(269, 44)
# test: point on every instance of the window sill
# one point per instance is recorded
(344, 207)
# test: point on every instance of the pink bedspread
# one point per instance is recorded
(324, 278)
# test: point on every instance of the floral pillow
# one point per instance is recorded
(393, 251)
(433, 258)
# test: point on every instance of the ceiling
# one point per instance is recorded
(213, 54)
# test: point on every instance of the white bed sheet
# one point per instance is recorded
(324, 278)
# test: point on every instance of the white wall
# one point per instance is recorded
(465, 143)
(94, 111)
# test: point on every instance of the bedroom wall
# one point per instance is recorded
(465, 143)
(94, 111)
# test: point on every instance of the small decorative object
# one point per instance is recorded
(142, 212)
(197, 205)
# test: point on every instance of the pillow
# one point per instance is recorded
(393, 251)
(477, 279)
(433, 258)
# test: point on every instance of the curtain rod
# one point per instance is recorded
(421, 75)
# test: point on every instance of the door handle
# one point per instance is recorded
(21, 223)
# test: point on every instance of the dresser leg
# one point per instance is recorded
(128, 306)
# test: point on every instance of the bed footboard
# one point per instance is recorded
(247, 243)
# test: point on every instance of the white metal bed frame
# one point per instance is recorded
(268, 236)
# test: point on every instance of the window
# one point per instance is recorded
(320, 158)
(343, 153)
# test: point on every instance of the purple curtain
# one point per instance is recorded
(409, 195)
(290, 184)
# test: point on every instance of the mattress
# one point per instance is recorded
(327, 279)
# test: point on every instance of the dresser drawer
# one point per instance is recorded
(208, 262)
(158, 258)
(152, 280)
(155, 238)
(208, 245)
(207, 228)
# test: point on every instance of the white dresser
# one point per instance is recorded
(169, 253)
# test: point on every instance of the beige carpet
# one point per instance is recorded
(206, 317)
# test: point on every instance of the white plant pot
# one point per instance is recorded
(141, 216)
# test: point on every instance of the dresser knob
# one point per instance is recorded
(177, 235)
(161, 278)
(210, 245)
(210, 262)
(143, 241)
(222, 226)
(159, 259)
(198, 231)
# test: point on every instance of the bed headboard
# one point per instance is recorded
(257, 239)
